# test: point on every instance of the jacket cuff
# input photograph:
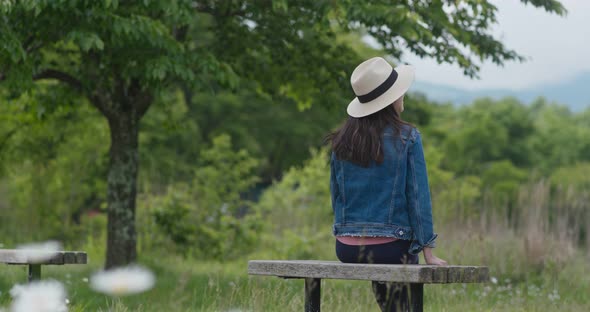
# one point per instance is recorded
(416, 247)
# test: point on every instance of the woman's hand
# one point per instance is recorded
(432, 259)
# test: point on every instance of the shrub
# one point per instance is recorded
(209, 218)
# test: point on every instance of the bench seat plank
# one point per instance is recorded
(17, 256)
(425, 274)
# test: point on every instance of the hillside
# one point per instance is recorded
(574, 93)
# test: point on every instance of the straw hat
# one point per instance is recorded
(377, 84)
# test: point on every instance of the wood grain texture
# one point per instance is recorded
(17, 256)
(426, 274)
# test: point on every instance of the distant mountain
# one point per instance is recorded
(574, 93)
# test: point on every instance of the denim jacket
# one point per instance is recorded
(391, 199)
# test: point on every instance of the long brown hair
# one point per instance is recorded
(359, 140)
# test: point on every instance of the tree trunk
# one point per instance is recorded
(122, 188)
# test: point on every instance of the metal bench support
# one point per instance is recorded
(416, 297)
(34, 272)
(312, 294)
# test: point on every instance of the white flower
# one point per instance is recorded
(40, 252)
(42, 296)
(494, 280)
(123, 281)
(554, 296)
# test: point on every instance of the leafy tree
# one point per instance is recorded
(273, 130)
(516, 118)
(419, 111)
(117, 57)
(490, 130)
(120, 55)
(561, 138)
(476, 140)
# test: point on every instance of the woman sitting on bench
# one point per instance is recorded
(379, 184)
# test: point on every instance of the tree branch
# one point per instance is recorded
(141, 99)
(100, 100)
(145, 102)
(61, 76)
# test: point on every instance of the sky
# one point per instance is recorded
(557, 48)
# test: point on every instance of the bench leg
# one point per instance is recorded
(312, 294)
(34, 272)
(416, 297)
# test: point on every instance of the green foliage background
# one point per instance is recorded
(215, 185)
(232, 160)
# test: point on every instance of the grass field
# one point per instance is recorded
(518, 284)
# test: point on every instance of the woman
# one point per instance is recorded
(379, 185)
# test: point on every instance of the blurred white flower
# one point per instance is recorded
(123, 281)
(554, 296)
(85, 279)
(40, 252)
(42, 296)
(494, 280)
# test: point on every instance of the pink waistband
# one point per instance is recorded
(357, 241)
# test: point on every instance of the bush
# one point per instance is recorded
(299, 212)
(302, 198)
(208, 218)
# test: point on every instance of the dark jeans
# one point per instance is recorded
(390, 296)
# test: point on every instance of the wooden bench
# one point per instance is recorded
(24, 257)
(415, 275)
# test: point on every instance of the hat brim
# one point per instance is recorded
(404, 80)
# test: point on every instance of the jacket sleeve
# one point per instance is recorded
(418, 197)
